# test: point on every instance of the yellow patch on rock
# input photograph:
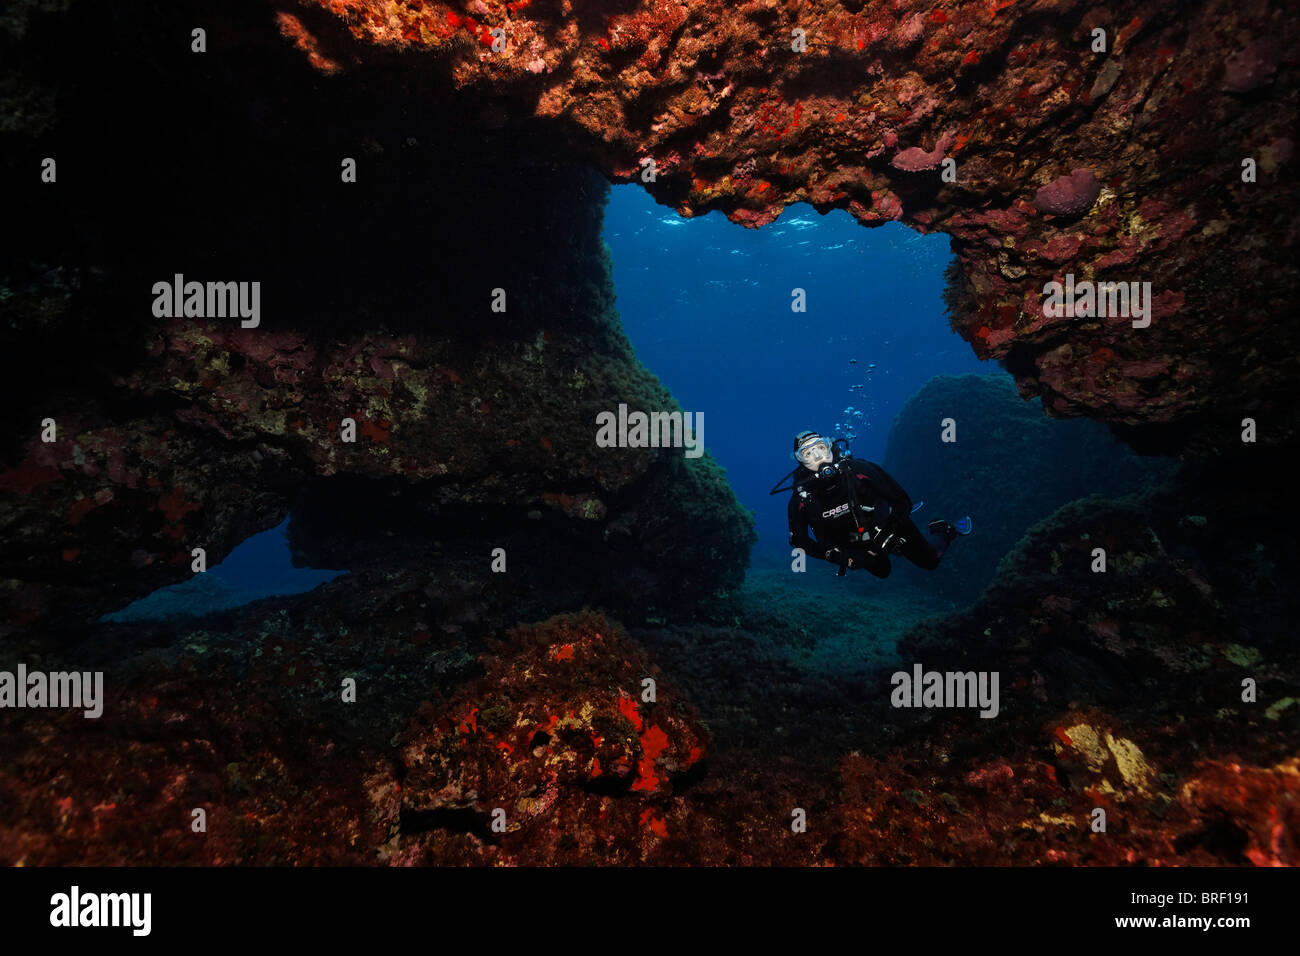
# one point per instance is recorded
(1060, 821)
(1088, 743)
(1099, 748)
(1132, 765)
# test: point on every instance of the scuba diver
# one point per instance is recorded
(859, 514)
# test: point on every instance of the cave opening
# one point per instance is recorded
(384, 715)
(713, 309)
(260, 566)
(709, 307)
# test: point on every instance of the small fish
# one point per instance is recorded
(853, 361)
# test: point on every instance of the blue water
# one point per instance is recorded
(261, 564)
(258, 567)
(706, 304)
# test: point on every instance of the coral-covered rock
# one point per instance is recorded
(1252, 66)
(1003, 443)
(111, 511)
(1069, 195)
(1253, 810)
(1143, 682)
(1097, 760)
(241, 716)
(199, 433)
(1107, 683)
(736, 120)
(916, 159)
(556, 735)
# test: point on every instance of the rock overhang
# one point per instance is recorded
(1106, 142)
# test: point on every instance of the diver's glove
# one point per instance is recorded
(845, 561)
(951, 531)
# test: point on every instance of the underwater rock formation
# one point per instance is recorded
(241, 716)
(1008, 468)
(1120, 691)
(557, 731)
(469, 373)
(479, 171)
(749, 107)
(743, 109)
(1160, 689)
(1069, 195)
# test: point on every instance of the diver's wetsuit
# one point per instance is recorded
(823, 505)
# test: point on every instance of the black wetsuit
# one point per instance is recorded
(823, 506)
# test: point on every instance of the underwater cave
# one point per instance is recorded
(464, 259)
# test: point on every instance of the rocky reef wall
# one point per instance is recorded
(482, 169)
(454, 303)
(1143, 142)
(1008, 467)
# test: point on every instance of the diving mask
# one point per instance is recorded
(814, 453)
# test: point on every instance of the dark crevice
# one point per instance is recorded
(689, 778)
(1223, 838)
(454, 820)
(608, 786)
